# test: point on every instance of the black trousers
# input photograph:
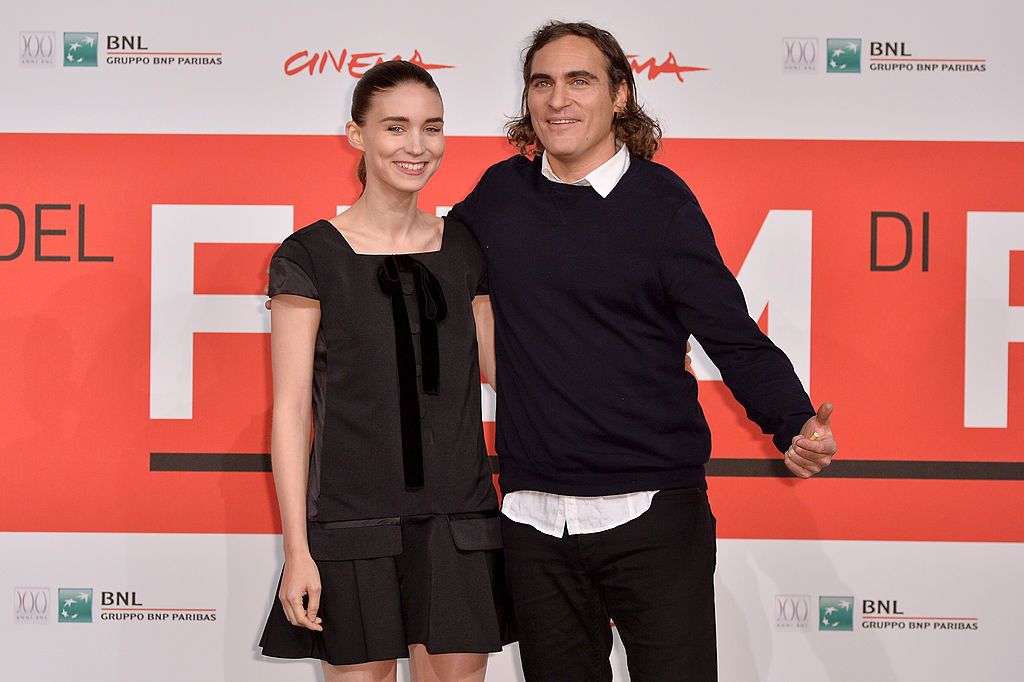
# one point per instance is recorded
(653, 576)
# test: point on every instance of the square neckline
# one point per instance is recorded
(344, 240)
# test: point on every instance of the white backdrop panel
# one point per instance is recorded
(235, 576)
(744, 93)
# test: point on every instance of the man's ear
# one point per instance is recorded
(354, 134)
(621, 97)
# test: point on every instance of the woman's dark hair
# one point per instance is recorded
(638, 131)
(382, 77)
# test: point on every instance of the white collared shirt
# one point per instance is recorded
(549, 513)
(603, 178)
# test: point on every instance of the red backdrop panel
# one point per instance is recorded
(887, 347)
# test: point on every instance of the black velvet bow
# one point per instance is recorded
(432, 309)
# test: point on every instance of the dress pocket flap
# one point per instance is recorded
(347, 540)
(476, 534)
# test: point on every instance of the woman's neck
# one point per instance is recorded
(388, 222)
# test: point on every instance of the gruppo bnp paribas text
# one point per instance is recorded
(132, 50)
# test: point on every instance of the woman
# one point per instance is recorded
(391, 537)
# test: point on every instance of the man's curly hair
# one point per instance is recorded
(638, 131)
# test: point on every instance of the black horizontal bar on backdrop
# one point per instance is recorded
(875, 468)
(225, 461)
(718, 467)
(209, 461)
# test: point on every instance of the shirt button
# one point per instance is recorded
(419, 369)
(423, 411)
(407, 288)
(414, 327)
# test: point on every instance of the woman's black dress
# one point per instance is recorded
(402, 512)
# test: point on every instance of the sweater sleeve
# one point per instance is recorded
(468, 211)
(709, 303)
(465, 210)
(474, 264)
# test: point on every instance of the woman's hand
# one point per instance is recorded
(301, 579)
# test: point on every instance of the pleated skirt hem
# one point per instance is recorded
(440, 583)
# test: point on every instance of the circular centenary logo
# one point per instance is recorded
(791, 610)
(33, 601)
(801, 51)
(37, 45)
(31, 604)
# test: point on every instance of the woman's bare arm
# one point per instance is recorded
(294, 324)
(484, 316)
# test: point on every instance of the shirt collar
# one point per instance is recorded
(603, 178)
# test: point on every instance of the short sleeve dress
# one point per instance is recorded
(402, 512)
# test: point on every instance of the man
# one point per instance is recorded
(601, 264)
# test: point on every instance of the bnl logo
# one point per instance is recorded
(80, 49)
(75, 605)
(835, 613)
(843, 55)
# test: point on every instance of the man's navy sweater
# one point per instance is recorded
(594, 299)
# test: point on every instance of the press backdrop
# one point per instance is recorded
(862, 165)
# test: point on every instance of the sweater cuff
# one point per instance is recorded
(791, 426)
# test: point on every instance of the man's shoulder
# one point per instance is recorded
(515, 165)
(661, 180)
(658, 189)
(505, 181)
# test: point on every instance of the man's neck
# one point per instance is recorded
(570, 170)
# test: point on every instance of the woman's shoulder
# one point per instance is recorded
(306, 242)
(311, 232)
(304, 247)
